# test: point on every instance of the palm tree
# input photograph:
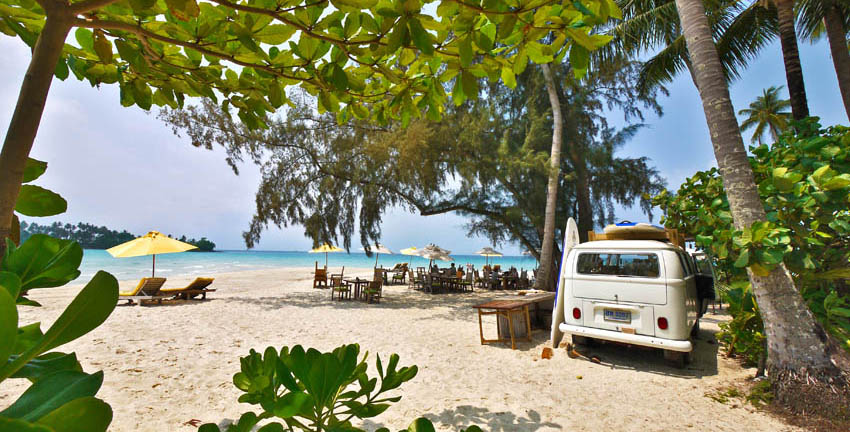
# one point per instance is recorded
(830, 17)
(546, 277)
(767, 114)
(799, 359)
(791, 56)
(740, 30)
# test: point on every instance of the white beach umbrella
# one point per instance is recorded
(489, 252)
(432, 252)
(434, 248)
(378, 249)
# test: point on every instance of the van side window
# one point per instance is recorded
(687, 270)
(615, 264)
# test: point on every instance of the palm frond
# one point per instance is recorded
(746, 34)
(810, 15)
(665, 65)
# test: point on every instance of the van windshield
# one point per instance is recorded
(632, 264)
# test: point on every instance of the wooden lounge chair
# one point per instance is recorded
(147, 289)
(320, 278)
(198, 287)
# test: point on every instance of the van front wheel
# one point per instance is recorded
(677, 359)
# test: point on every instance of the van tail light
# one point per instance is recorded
(662, 323)
(576, 313)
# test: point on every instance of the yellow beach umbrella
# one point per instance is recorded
(153, 243)
(325, 249)
(412, 251)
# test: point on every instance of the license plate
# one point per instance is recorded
(618, 315)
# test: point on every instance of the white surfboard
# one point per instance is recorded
(570, 240)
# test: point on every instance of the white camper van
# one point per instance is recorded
(630, 290)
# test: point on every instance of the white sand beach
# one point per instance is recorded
(166, 365)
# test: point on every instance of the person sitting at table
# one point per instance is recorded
(460, 272)
(452, 269)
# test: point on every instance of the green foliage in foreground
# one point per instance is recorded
(804, 182)
(314, 391)
(61, 397)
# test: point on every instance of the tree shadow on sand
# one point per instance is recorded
(466, 415)
(452, 306)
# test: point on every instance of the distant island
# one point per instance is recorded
(97, 237)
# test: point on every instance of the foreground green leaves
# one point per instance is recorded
(310, 390)
(61, 398)
(392, 56)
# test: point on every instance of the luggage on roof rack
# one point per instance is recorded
(638, 231)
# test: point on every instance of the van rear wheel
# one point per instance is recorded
(676, 359)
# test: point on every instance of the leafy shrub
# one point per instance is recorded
(804, 182)
(61, 397)
(744, 333)
(314, 391)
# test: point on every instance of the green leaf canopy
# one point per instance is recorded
(392, 55)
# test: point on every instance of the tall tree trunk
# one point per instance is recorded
(27, 115)
(840, 57)
(791, 57)
(799, 362)
(585, 208)
(545, 278)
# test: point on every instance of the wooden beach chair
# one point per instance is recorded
(147, 289)
(411, 281)
(320, 277)
(198, 287)
(374, 292)
(400, 275)
(338, 285)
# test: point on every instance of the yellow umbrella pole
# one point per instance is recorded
(153, 269)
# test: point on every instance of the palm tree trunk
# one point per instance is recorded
(27, 115)
(798, 361)
(545, 278)
(840, 56)
(791, 57)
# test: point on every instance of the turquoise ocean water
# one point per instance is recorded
(210, 263)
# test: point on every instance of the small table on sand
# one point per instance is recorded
(357, 283)
(508, 310)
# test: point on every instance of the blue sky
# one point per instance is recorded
(123, 168)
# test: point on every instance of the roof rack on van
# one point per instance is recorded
(670, 235)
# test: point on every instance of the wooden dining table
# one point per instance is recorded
(512, 310)
(357, 283)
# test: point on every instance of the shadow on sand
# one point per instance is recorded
(467, 415)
